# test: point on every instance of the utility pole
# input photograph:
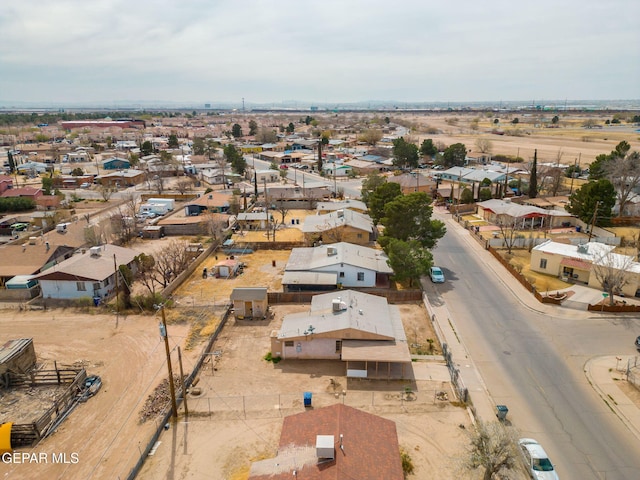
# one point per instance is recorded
(593, 220)
(115, 268)
(172, 390)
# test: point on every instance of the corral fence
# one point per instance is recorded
(207, 351)
(30, 433)
(456, 379)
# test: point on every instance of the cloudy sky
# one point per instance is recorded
(326, 51)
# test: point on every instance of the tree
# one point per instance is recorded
(455, 155)
(77, 172)
(146, 148)
(383, 194)
(369, 185)
(371, 136)
(198, 146)
(409, 260)
(183, 185)
(235, 158)
(144, 271)
(236, 130)
(253, 127)
(47, 185)
(485, 194)
(428, 148)
(291, 127)
(515, 121)
(613, 271)
(492, 448)
(173, 141)
(596, 197)
(533, 177)
(466, 196)
(106, 192)
(171, 260)
(12, 162)
(405, 154)
(484, 145)
(509, 227)
(555, 120)
(408, 217)
(266, 135)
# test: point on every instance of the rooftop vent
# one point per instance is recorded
(94, 251)
(324, 447)
(331, 251)
(340, 213)
(583, 248)
(338, 305)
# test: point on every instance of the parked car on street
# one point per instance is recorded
(536, 460)
(638, 343)
(436, 274)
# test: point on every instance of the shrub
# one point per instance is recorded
(269, 358)
(407, 463)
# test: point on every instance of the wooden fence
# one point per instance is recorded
(392, 296)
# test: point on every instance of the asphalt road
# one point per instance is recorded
(533, 363)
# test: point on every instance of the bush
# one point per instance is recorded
(147, 302)
(407, 463)
(269, 358)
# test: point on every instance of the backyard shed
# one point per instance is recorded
(17, 356)
(250, 302)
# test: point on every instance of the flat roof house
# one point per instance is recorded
(339, 226)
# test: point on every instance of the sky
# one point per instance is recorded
(330, 51)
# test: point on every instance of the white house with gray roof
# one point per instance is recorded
(362, 330)
(339, 226)
(89, 273)
(342, 263)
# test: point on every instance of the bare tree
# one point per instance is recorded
(371, 136)
(158, 184)
(624, 173)
(281, 206)
(484, 145)
(123, 226)
(131, 204)
(552, 179)
(171, 260)
(215, 227)
(612, 270)
(493, 448)
(184, 185)
(106, 192)
(508, 226)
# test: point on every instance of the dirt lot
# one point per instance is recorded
(237, 416)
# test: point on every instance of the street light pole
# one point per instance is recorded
(172, 390)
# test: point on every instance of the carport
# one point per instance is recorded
(376, 359)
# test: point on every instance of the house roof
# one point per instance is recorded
(249, 294)
(345, 204)
(28, 259)
(309, 278)
(359, 313)
(312, 258)
(365, 446)
(252, 216)
(587, 251)
(22, 192)
(511, 209)
(339, 218)
(471, 174)
(212, 199)
(87, 266)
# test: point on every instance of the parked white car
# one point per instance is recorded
(536, 460)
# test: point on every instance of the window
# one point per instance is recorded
(96, 287)
(288, 343)
(543, 263)
(341, 275)
(359, 235)
(80, 286)
(338, 346)
(361, 276)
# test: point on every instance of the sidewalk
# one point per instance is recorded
(600, 371)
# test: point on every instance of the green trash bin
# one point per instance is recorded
(501, 412)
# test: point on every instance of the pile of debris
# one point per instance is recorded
(160, 400)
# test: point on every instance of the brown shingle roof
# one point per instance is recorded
(369, 447)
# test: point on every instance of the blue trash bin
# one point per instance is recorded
(307, 399)
(501, 412)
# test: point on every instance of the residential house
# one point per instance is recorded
(6, 183)
(209, 202)
(123, 178)
(115, 163)
(268, 176)
(361, 330)
(524, 216)
(347, 204)
(413, 182)
(334, 442)
(584, 263)
(90, 273)
(303, 197)
(26, 192)
(253, 220)
(339, 226)
(251, 302)
(30, 259)
(340, 264)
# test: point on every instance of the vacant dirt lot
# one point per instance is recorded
(237, 415)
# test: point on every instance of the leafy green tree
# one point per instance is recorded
(291, 127)
(146, 148)
(236, 130)
(235, 158)
(77, 172)
(454, 155)
(173, 141)
(198, 146)
(515, 121)
(382, 195)
(466, 196)
(405, 154)
(12, 162)
(597, 195)
(308, 120)
(408, 217)
(253, 127)
(16, 204)
(555, 120)
(369, 185)
(533, 176)
(428, 148)
(409, 260)
(485, 194)
(47, 185)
